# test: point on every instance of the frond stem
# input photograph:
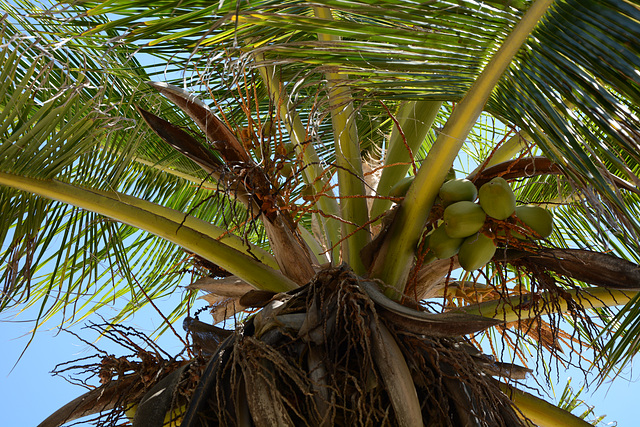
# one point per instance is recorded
(190, 238)
(522, 307)
(347, 149)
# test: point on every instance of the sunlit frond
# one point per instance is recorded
(80, 127)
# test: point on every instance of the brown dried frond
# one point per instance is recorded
(123, 380)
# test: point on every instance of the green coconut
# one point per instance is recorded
(476, 251)
(463, 219)
(290, 150)
(401, 187)
(538, 219)
(442, 245)
(497, 198)
(457, 190)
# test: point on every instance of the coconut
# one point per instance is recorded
(539, 219)
(401, 187)
(307, 192)
(269, 129)
(463, 219)
(286, 170)
(497, 198)
(457, 190)
(442, 245)
(476, 251)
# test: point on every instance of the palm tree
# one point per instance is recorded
(278, 175)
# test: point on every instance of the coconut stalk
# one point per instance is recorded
(415, 119)
(353, 204)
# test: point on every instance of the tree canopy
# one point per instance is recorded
(291, 153)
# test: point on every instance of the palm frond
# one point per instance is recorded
(407, 227)
(60, 124)
(585, 125)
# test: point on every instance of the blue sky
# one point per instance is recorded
(29, 392)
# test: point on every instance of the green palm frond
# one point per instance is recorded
(554, 88)
(448, 35)
(380, 46)
(557, 90)
(570, 401)
(58, 123)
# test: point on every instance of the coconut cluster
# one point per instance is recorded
(459, 232)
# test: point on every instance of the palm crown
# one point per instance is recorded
(281, 167)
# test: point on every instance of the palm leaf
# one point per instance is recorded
(77, 246)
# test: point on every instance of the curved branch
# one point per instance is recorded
(541, 412)
(449, 324)
(204, 227)
(222, 138)
(396, 376)
(521, 307)
(591, 267)
(192, 239)
(527, 167)
(99, 399)
(519, 168)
